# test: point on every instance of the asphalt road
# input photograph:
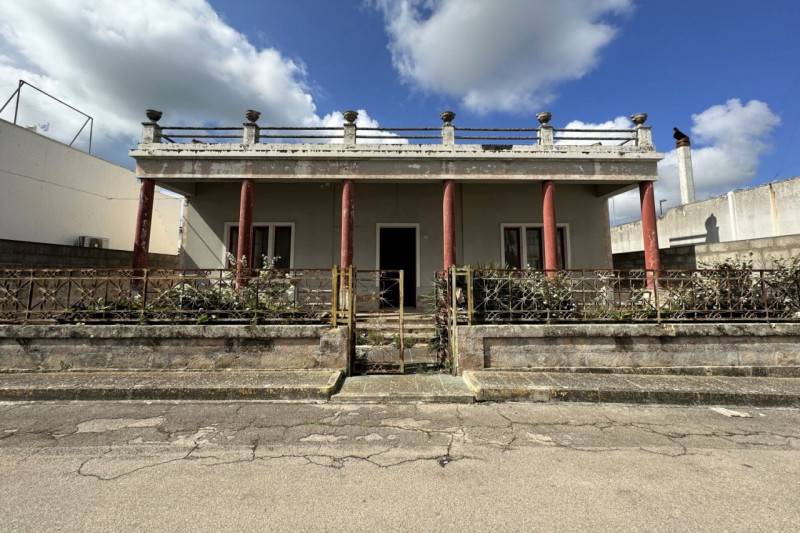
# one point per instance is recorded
(168, 466)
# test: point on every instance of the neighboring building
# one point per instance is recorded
(416, 207)
(762, 222)
(58, 205)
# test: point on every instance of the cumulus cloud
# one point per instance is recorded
(336, 119)
(728, 141)
(113, 61)
(619, 123)
(502, 55)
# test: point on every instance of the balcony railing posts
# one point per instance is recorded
(350, 128)
(251, 129)
(644, 133)
(448, 130)
(151, 131)
(545, 129)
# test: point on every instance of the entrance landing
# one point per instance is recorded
(404, 388)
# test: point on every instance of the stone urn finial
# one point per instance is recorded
(350, 116)
(447, 117)
(544, 118)
(639, 118)
(252, 116)
(153, 115)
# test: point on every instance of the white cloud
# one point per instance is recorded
(728, 141)
(113, 61)
(619, 123)
(336, 119)
(503, 55)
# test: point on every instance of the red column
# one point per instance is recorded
(141, 240)
(346, 251)
(244, 249)
(549, 225)
(449, 225)
(649, 226)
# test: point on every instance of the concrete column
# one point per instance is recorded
(449, 225)
(244, 249)
(144, 216)
(685, 173)
(346, 252)
(250, 131)
(649, 226)
(644, 134)
(151, 131)
(448, 130)
(546, 137)
(549, 225)
(350, 129)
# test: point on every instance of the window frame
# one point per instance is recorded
(227, 246)
(523, 227)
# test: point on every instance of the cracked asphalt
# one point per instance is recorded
(123, 466)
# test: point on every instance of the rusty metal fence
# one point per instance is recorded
(168, 296)
(495, 296)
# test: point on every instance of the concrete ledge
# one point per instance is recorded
(432, 388)
(247, 385)
(537, 386)
(174, 347)
(716, 348)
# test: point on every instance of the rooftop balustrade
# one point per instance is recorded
(449, 134)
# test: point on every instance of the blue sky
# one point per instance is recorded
(727, 68)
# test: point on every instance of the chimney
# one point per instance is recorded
(685, 173)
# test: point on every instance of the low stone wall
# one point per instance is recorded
(184, 347)
(724, 349)
(44, 255)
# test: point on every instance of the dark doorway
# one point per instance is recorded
(398, 251)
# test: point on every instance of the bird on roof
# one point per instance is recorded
(679, 135)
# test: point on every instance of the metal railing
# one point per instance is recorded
(391, 135)
(18, 93)
(495, 296)
(492, 138)
(167, 296)
(594, 136)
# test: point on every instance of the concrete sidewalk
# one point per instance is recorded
(632, 388)
(322, 385)
(223, 385)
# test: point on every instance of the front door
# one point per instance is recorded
(397, 250)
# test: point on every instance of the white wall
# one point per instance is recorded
(51, 193)
(769, 210)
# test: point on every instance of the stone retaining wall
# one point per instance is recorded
(724, 349)
(180, 347)
(25, 254)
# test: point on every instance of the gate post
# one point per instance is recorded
(400, 320)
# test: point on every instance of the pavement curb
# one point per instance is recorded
(239, 385)
(645, 389)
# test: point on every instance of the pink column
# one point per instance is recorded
(346, 251)
(449, 224)
(649, 226)
(244, 249)
(549, 225)
(141, 240)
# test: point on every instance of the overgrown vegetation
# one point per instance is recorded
(267, 294)
(726, 290)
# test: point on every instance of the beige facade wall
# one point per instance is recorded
(314, 210)
(766, 211)
(51, 193)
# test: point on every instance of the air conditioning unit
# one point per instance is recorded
(85, 241)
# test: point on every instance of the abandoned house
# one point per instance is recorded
(416, 199)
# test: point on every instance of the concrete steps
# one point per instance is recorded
(378, 339)
(433, 388)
